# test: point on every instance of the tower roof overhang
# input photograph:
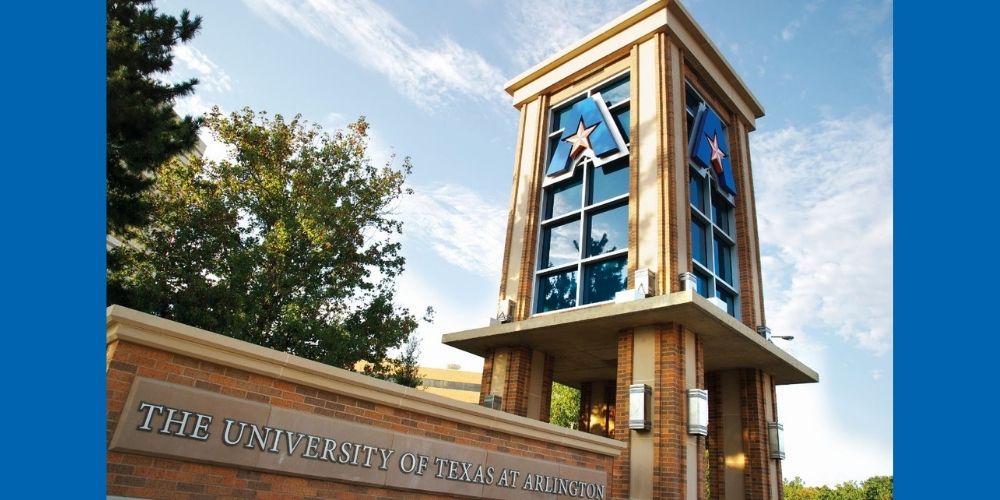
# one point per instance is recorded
(615, 39)
(584, 340)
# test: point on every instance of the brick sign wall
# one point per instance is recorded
(200, 415)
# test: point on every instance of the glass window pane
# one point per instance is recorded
(729, 299)
(609, 180)
(564, 197)
(562, 115)
(720, 213)
(697, 191)
(608, 231)
(615, 92)
(553, 144)
(723, 261)
(701, 284)
(560, 244)
(604, 279)
(698, 248)
(557, 291)
(621, 117)
(691, 100)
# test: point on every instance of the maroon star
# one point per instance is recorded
(580, 140)
(717, 154)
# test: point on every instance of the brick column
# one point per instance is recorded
(716, 454)
(670, 416)
(515, 397)
(619, 487)
(546, 403)
(487, 380)
(752, 412)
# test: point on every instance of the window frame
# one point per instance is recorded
(584, 168)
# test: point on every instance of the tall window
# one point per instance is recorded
(713, 226)
(583, 240)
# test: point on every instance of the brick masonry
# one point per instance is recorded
(135, 475)
(716, 457)
(515, 398)
(619, 486)
(755, 472)
(487, 383)
(670, 411)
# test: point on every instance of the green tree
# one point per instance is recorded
(404, 370)
(288, 243)
(877, 488)
(873, 488)
(565, 406)
(143, 132)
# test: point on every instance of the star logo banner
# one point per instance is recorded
(710, 148)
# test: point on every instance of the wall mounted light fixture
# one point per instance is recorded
(698, 412)
(776, 440)
(639, 407)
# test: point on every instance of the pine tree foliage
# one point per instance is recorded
(143, 131)
(290, 242)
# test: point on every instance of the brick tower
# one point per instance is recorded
(631, 266)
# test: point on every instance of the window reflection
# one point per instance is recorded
(609, 180)
(697, 189)
(605, 279)
(608, 231)
(621, 117)
(615, 92)
(564, 197)
(698, 249)
(561, 244)
(723, 261)
(557, 291)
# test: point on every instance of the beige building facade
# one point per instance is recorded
(631, 267)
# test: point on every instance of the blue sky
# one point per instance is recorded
(428, 76)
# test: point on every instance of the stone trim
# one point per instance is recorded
(128, 325)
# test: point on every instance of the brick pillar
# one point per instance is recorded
(515, 397)
(619, 487)
(752, 412)
(716, 454)
(670, 416)
(486, 383)
(546, 389)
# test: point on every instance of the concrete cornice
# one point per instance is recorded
(615, 38)
(128, 325)
(587, 336)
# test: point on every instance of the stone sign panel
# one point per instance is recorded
(164, 419)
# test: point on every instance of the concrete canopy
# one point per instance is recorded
(584, 340)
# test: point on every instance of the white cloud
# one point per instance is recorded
(788, 33)
(540, 29)
(830, 457)
(195, 63)
(824, 202)
(885, 69)
(192, 105)
(428, 74)
(459, 225)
